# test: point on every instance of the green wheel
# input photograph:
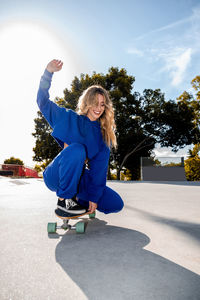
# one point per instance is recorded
(92, 216)
(51, 227)
(80, 227)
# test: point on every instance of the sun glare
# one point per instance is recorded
(25, 50)
(27, 45)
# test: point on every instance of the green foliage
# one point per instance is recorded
(192, 164)
(14, 161)
(172, 165)
(193, 102)
(46, 147)
(40, 167)
(113, 177)
(126, 175)
(170, 123)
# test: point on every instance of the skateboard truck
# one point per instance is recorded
(79, 227)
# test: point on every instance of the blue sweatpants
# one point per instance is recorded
(65, 174)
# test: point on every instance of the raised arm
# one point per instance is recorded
(49, 109)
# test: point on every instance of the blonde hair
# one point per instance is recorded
(89, 99)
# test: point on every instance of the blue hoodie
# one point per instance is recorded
(69, 127)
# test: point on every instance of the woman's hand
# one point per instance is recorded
(54, 66)
(92, 207)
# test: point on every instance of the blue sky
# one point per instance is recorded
(158, 42)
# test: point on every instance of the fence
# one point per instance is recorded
(162, 169)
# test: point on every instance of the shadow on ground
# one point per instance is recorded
(109, 262)
(192, 229)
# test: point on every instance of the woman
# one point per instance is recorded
(85, 136)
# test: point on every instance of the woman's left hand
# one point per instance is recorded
(92, 207)
(54, 65)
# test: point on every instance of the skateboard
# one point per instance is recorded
(79, 227)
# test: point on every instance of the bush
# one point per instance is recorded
(192, 164)
(14, 161)
(192, 168)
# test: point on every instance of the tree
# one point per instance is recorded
(46, 147)
(156, 121)
(192, 164)
(14, 161)
(193, 101)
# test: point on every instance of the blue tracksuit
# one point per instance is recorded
(66, 174)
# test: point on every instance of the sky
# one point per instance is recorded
(156, 41)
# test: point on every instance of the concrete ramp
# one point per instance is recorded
(150, 250)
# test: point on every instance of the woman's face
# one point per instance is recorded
(95, 112)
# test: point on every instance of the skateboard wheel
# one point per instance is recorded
(51, 227)
(80, 227)
(92, 216)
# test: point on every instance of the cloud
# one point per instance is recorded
(173, 61)
(172, 49)
(167, 27)
(196, 12)
(133, 50)
(192, 19)
(166, 152)
(176, 63)
(181, 63)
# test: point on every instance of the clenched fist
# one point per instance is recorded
(54, 66)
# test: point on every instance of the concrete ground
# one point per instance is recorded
(150, 250)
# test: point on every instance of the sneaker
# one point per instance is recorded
(63, 214)
(71, 206)
(61, 203)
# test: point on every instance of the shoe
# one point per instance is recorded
(71, 206)
(63, 214)
(61, 203)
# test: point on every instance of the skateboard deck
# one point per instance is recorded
(79, 227)
(71, 216)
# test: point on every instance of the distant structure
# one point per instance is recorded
(162, 169)
(12, 170)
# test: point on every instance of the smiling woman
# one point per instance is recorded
(25, 49)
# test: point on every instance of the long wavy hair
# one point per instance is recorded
(89, 99)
